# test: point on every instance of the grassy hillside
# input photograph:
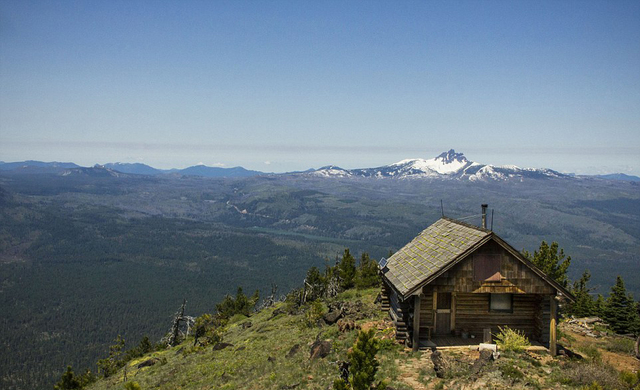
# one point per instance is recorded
(274, 353)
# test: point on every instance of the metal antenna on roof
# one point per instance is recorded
(491, 219)
(441, 207)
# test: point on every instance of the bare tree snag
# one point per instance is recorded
(176, 334)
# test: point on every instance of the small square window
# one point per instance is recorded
(501, 302)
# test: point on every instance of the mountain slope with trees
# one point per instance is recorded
(87, 257)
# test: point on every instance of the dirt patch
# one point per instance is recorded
(410, 372)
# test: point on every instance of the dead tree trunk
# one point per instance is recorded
(173, 337)
(637, 347)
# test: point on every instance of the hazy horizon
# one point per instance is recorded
(284, 86)
(584, 171)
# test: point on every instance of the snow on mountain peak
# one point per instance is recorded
(446, 163)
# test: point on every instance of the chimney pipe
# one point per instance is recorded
(484, 215)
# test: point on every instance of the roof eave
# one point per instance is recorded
(535, 269)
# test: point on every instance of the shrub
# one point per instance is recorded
(511, 339)
(512, 372)
(620, 344)
(631, 379)
(592, 352)
(132, 386)
(314, 312)
(592, 374)
(207, 329)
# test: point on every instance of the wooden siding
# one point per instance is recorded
(546, 319)
(517, 278)
(472, 314)
(426, 314)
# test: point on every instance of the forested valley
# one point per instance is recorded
(84, 259)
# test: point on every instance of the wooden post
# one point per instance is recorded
(486, 335)
(453, 311)
(552, 326)
(434, 308)
(416, 322)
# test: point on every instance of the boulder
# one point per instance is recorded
(320, 349)
(148, 363)
(293, 351)
(486, 355)
(220, 346)
(332, 317)
(440, 365)
(246, 325)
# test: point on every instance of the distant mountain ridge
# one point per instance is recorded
(121, 169)
(31, 166)
(448, 165)
(134, 168)
(619, 176)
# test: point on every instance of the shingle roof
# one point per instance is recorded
(434, 248)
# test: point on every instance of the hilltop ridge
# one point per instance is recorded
(274, 349)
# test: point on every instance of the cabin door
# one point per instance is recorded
(443, 314)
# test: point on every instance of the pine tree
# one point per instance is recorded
(68, 381)
(621, 310)
(551, 262)
(363, 364)
(241, 304)
(316, 284)
(599, 306)
(111, 364)
(367, 274)
(347, 270)
(584, 305)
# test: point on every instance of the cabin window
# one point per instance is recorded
(486, 268)
(501, 303)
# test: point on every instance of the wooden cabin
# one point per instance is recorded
(455, 279)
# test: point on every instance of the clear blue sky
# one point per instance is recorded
(278, 86)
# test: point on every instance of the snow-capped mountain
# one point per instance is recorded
(448, 165)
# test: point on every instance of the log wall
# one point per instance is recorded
(472, 313)
(399, 313)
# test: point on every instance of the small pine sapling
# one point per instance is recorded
(363, 365)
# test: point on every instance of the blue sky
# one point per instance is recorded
(279, 86)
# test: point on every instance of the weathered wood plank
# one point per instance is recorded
(416, 322)
(552, 326)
